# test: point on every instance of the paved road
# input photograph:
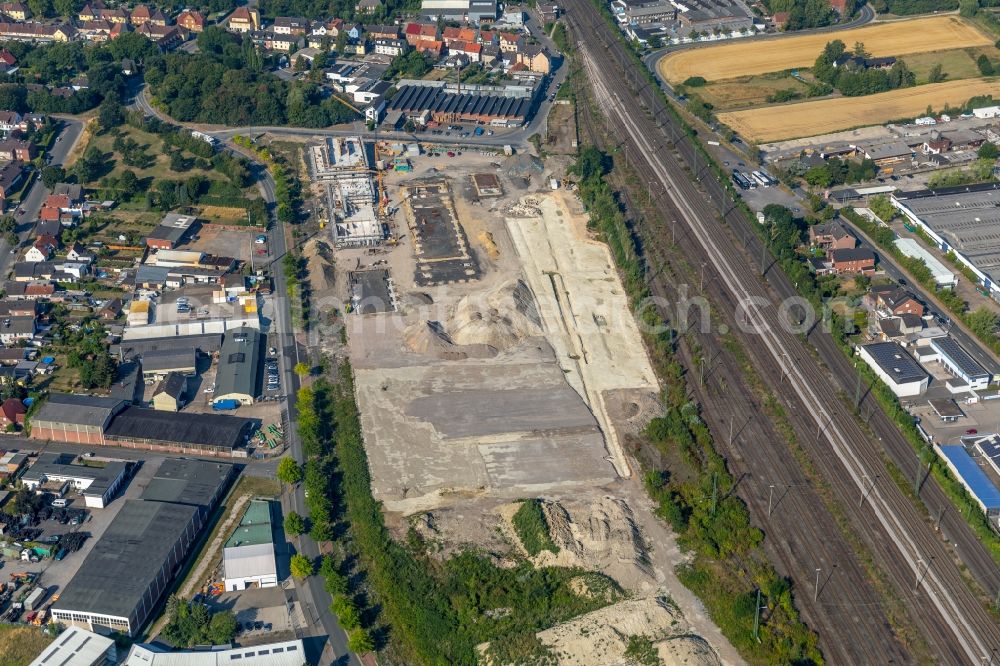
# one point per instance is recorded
(32, 202)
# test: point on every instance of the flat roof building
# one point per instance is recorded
(193, 434)
(78, 647)
(942, 276)
(121, 581)
(964, 220)
(248, 557)
(199, 483)
(207, 343)
(160, 363)
(170, 231)
(286, 653)
(239, 364)
(895, 367)
(969, 474)
(80, 419)
(958, 362)
(98, 485)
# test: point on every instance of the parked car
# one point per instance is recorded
(260, 240)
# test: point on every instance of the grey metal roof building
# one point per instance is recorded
(162, 361)
(207, 343)
(193, 433)
(199, 483)
(121, 581)
(417, 99)
(239, 366)
(77, 647)
(74, 418)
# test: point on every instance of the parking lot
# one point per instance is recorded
(264, 615)
(211, 239)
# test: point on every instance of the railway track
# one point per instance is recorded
(947, 612)
(801, 533)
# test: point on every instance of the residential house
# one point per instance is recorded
(9, 120)
(169, 393)
(16, 11)
(166, 37)
(383, 32)
(391, 47)
(13, 329)
(42, 249)
(10, 307)
(470, 50)
(36, 32)
(535, 58)
(12, 413)
(143, 14)
(896, 301)
(368, 6)
(853, 260)
(191, 20)
(7, 61)
(114, 15)
(78, 254)
(511, 42)
(416, 32)
(17, 149)
(276, 42)
(96, 31)
(371, 91)
(429, 46)
(831, 236)
(549, 13)
(451, 35)
(111, 309)
(28, 290)
(243, 19)
(290, 25)
(513, 17)
(90, 12)
(11, 178)
(354, 31)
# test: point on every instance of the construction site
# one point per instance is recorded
(496, 359)
(342, 173)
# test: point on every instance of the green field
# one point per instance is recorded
(152, 145)
(748, 91)
(20, 645)
(956, 63)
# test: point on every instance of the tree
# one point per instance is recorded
(302, 369)
(66, 8)
(289, 471)
(359, 641)
(983, 322)
(988, 151)
(984, 64)
(294, 524)
(40, 8)
(968, 8)
(936, 75)
(111, 114)
(346, 611)
(301, 566)
(221, 628)
(52, 175)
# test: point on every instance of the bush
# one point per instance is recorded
(289, 471)
(695, 81)
(294, 524)
(532, 528)
(301, 566)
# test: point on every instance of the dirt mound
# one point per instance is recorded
(500, 318)
(427, 337)
(319, 265)
(602, 637)
(601, 535)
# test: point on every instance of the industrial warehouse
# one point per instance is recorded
(124, 577)
(445, 105)
(964, 220)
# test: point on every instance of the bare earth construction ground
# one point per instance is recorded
(788, 121)
(743, 58)
(517, 382)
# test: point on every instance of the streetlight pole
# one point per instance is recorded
(770, 500)
(816, 590)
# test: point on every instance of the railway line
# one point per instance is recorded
(801, 533)
(923, 571)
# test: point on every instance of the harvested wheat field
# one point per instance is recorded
(743, 57)
(791, 121)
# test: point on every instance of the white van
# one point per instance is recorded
(59, 503)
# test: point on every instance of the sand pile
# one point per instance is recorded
(319, 265)
(601, 535)
(427, 337)
(601, 638)
(500, 318)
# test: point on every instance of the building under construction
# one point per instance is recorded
(342, 170)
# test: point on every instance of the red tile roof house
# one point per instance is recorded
(429, 46)
(894, 300)
(416, 32)
(42, 249)
(853, 260)
(192, 20)
(831, 236)
(452, 35)
(12, 413)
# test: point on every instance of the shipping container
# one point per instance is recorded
(225, 405)
(35, 599)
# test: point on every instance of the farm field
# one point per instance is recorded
(748, 90)
(788, 121)
(749, 57)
